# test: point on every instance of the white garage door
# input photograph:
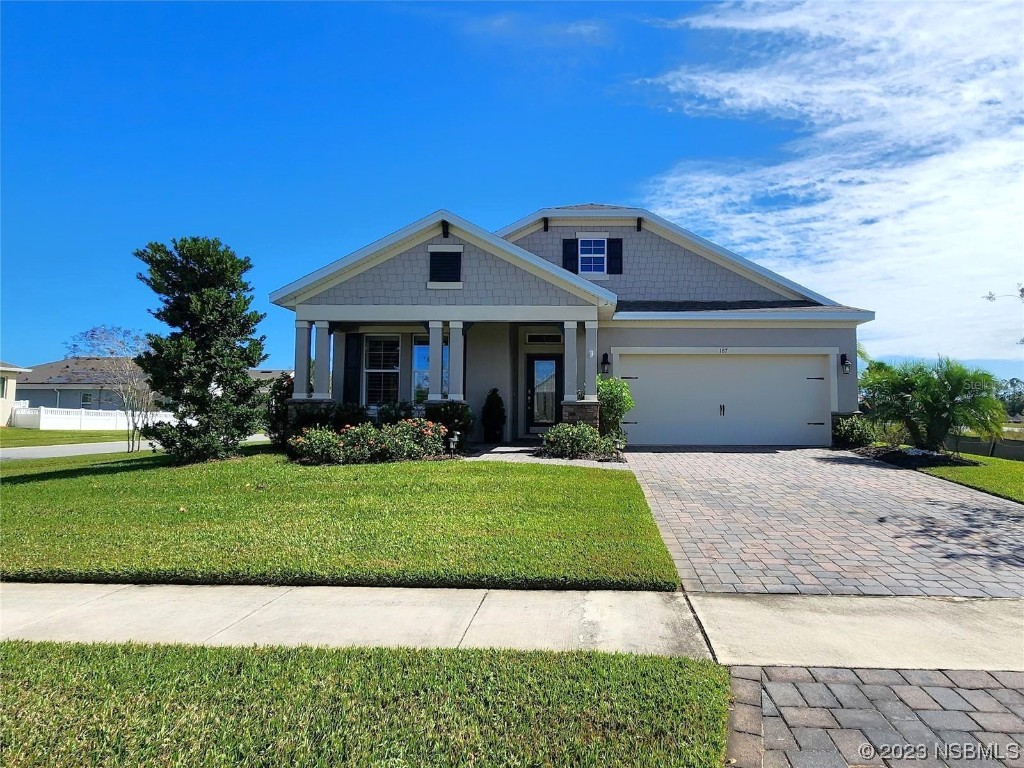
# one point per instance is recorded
(726, 399)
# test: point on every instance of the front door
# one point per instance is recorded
(544, 391)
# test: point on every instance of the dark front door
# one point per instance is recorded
(544, 391)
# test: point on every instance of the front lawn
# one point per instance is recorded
(18, 437)
(1003, 477)
(263, 520)
(132, 705)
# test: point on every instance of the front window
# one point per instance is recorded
(421, 368)
(380, 369)
(87, 399)
(592, 256)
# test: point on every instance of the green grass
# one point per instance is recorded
(132, 705)
(1002, 477)
(263, 520)
(17, 437)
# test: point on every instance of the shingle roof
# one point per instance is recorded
(71, 370)
(10, 366)
(590, 206)
(718, 306)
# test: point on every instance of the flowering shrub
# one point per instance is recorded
(577, 441)
(408, 440)
(316, 445)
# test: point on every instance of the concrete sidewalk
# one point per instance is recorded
(757, 630)
(85, 449)
(637, 622)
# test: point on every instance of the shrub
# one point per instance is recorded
(317, 445)
(492, 416)
(577, 441)
(614, 402)
(455, 416)
(407, 440)
(852, 432)
(392, 413)
(281, 391)
(337, 416)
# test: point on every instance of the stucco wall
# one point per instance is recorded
(488, 365)
(845, 339)
(486, 279)
(7, 401)
(654, 269)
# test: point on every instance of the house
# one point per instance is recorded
(267, 376)
(8, 388)
(72, 382)
(717, 349)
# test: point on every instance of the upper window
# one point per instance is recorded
(593, 254)
(445, 267)
(380, 369)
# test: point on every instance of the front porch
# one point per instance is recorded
(545, 368)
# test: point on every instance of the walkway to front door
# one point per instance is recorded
(817, 521)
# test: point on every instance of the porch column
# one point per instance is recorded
(322, 369)
(337, 366)
(569, 362)
(302, 329)
(436, 351)
(590, 361)
(456, 340)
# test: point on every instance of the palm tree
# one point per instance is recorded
(933, 401)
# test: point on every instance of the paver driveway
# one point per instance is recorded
(817, 521)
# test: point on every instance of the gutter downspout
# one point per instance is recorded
(57, 391)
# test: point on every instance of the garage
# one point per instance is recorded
(723, 397)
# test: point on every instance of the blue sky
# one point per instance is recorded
(297, 133)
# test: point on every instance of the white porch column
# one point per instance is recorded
(322, 369)
(436, 360)
(569, 362)
(456, 374)
(337, 366)
(302, 329)
(590, 361)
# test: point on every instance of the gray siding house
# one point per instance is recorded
(73, 382)
(717, 349)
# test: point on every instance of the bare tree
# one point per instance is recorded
(992, 296)
(115, 349)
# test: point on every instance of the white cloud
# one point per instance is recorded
(531, 31)
(905, 195)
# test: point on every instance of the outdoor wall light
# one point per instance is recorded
(605, 364)
(846, 363)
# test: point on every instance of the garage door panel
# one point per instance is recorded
(767, 399)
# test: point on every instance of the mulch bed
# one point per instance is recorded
(899, 458)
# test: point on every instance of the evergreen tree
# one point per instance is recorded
(201, 368)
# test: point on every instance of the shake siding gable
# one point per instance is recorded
(655, 269)
(486, 279)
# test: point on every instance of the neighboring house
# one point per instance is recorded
(267, 376)
(73, 382)
(717, 350)
(8, 387)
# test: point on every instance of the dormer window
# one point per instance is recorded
(593, 256)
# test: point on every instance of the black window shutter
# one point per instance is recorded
(614, 256)
(571, 254)
(445, 267)
(353, 367)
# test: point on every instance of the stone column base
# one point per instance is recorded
(581, 411)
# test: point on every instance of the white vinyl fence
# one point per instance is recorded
(77, 418)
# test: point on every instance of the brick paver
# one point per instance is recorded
(866, 723)
(816, 521)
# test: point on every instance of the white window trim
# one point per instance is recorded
(445, 248)
(591, 275)
(439, 286)
(366, 370)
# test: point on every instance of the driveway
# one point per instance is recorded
(817, 521)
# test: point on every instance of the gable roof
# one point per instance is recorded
(291, 294)
(674, 232)
(12, 368)
(71, 370)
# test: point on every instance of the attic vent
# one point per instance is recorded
(543, 338)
